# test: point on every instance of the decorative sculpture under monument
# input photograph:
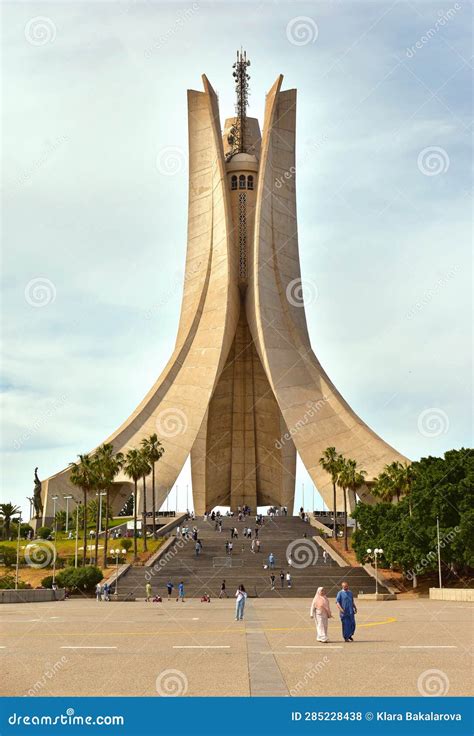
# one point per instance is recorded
(243, 390)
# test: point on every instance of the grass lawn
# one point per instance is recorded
(65, 550)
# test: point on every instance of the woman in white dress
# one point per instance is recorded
(321, 612)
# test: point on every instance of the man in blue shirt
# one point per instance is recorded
(347, 609)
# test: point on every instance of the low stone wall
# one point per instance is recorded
(466, 595)
(32, 596)
(377, 596)
(382, 580)
(331, 552)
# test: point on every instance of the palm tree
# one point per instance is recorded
(350, 479)
(109, 465)
(135, 467)
(83, 476)
(154, 450)
(8, 511)
(331, 463)
(406, 476)
(383, 486)
(146, 471)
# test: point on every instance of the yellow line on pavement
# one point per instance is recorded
(167, 632)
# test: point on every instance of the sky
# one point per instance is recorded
(94, 202)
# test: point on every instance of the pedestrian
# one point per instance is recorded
(223, 592)
(98, 592)
(231, 547)
(347, 611)
(257, 545)
(169, 588)
(106, 592)
(325, 556)
(236, 533)
(232, 532)
(288, 579)
(240, 598)
(180, 592)
(252, 546)
(197, 548)
(282, 579)
(271, 561)
(272, 580)
(227, 548)
(290, 561)
(148, 592)
(321, 612)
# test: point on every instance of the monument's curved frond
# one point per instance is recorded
(175, 406)
(314, 411)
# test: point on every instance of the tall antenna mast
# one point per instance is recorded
(236, 136)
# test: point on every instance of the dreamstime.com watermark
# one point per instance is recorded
(48, 674)
(311, 411)
(432, 556)
(169, 555)
(171, 291)
(39, 422)
(308, 676)
(182, 17)
(430, 293)
(444, 17)
(69, 718)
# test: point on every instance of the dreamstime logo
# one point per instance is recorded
(171, 684)
(40, 31)
(433, 684)
(433, 422)
(433, 161)
(40, 554)
(443, 18)
(302, 553)
(40, 292)
(170, 160)
(299, 292)
(431, 292)
(171, 422)
(302, 30)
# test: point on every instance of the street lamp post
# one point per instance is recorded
(18, 552)
(55, 527)
(77, 531)
(67, 499)
(377, 552)
(438, 544)
(116, 553)
(102, 493)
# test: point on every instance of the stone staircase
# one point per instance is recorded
(284, 536)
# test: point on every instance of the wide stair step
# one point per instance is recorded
(281, 535)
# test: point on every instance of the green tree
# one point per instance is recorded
(331, 462)
(439, 489)
(7, 512)
(135, 467)
(350, 478)
(154, 450)
(109, 465)
(83, 475)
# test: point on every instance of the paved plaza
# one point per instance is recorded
(81, 647)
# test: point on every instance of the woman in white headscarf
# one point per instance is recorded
(321, 612)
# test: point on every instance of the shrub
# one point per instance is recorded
(124, 543)
(82, 578)
(7, 582)
(7, 555)
(47, 582)
(25, 529)
(44, 532)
